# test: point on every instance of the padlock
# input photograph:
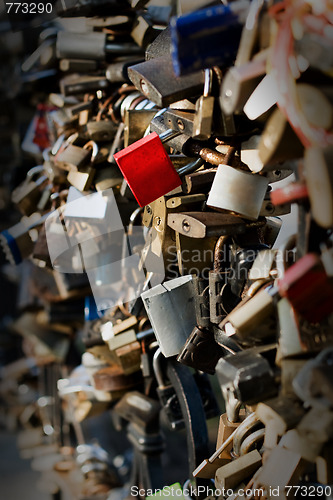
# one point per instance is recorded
(27, 194)
(206, 224)
(136, 123)
(278, 141)
(204, 107)
(144, 30)
(140, 410)
(113, 380)
(73, 158)
(17, 242)
(281, 471)
(201, 351)
(226, 428)
(196, 37)
(250, 314)
(103, 130)
(315, 106)
(82, 179)
(165, 304)
(228, 476)
(152, 78)
(153, 169)
(75, 84)
(319, 182)
(306, 285)
(264, 265)
(249, 375)
(273, 172)
(78, 65)
(90, 45)
(238, 191)
(199, 182)
(239, 83)
(107, 177)
(193, 259)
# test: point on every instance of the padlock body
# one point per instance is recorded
(238, 191)
(147, 169)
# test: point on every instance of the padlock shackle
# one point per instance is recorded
(168, 135)
(190, 167)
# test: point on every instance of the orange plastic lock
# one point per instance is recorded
(147, 169)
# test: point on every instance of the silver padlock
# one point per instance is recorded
(204, 107)
(171, 311)
(238, 191)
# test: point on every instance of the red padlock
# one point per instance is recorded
(147, 169)
(308, 288)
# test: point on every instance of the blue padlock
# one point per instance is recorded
(208, 37)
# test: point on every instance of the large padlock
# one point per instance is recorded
(152, 78)
(148, 169)
(197, 37)
(206, 224)
(238, 191)
(249, 375)
(171, 311)
(201, 351)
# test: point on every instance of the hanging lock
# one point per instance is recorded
(72, 157)
(83, 178)
(238, 191)
(248, 376)
(148, 169)
(203, 224)
(101, 131)
(204, 108)
(152, 78)
(170, 309)
(197, 36)
(28, 193)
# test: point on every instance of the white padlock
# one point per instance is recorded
(240, 192)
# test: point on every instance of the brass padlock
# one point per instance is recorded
(204, 107)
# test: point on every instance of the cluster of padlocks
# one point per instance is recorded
(148, 237)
